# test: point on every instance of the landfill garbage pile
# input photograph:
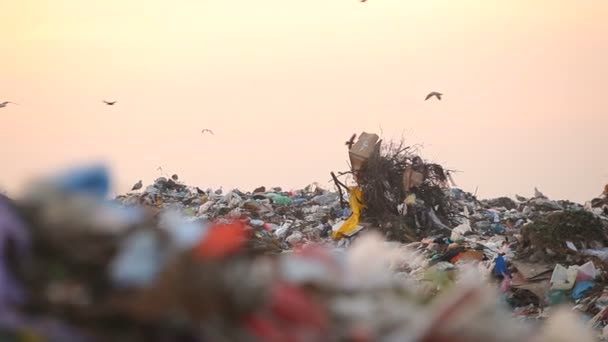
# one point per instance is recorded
(395, 192)
(400, 255)
(76, 267)
(542, 254)
(281, 219)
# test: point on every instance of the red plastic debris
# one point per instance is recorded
(265, 329)
(295, 306)
(291, 316)
(222, 240)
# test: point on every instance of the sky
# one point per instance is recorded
(283, 83)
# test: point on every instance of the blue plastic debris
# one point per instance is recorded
(298, 201)
(500, 268)
(498, 228)
(93, 180)
(580, 288)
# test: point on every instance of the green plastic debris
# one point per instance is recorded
(279, 199)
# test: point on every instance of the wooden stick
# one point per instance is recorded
(339, 185)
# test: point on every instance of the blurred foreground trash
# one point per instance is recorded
(174, 262)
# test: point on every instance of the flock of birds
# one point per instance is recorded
(139, 184)
(206, 130)
(107, 103)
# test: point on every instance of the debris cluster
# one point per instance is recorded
(401, 254)
(404, 196)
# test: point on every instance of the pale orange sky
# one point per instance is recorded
(283, 83)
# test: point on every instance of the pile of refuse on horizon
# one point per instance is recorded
(395, 252)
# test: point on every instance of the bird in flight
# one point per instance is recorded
(434, 93)
(206, 130)
(351, 141)
(137, 185)
(3, 104)
(109, 103)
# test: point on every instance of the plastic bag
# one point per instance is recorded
(351, 225)
(563, 278)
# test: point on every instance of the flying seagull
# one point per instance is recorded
(3, 104)
(351, 141)
(207, 130)
(109, 103)
(434, 93)
(137, 186)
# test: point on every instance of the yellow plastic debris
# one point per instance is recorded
(356, 205)
(411, 199)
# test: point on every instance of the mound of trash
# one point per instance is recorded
(565, 231)
(397, 192)
(398, 254)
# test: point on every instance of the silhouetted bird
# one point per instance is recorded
(3, 104)
(109, 103)
(351, 141)
(137, 186)
(538, 194)
(434, 93)
(207, 130)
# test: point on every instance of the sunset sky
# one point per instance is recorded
(283, 83)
